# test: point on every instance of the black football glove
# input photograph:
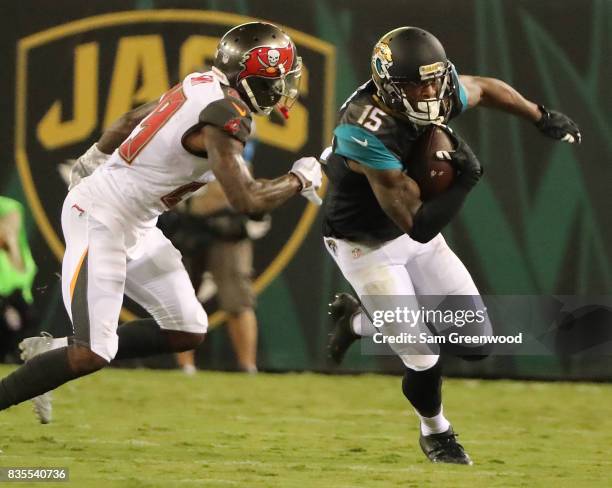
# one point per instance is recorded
(558, 126)
(464, 160)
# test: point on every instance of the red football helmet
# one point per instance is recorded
(260, 61)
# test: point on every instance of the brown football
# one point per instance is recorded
(433, 175)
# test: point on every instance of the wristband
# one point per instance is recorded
(300, 180)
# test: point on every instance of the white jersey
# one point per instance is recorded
(152, 170)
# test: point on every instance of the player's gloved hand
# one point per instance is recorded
(86, 165)
(308, 171)
(464, 160)
(558, 126)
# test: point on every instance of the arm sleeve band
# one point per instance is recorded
(460, 95)
(354, 142)
(229, 114)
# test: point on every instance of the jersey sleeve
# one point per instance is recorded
(460, 98)
(356, 143)
(229, 114)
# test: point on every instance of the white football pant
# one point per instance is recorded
(404, 267)
(98, 270)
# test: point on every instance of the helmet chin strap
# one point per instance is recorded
(254, 104)
(220, 75)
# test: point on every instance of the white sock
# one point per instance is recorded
(362, 326)
(189, 369)
(434, 425)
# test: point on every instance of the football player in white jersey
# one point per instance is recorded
(194, 134)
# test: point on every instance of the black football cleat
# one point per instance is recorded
(342, 336)
(444, 448)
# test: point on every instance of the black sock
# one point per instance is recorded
(424, 389)
(39, 375)
(141, 338)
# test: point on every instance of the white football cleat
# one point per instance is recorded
(31, 347)
(43, 407)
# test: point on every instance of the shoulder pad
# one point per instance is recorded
(229, 114)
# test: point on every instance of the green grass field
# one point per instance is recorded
(132, 428)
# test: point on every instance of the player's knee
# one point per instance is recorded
(184, 341)
(84, 361)
(193, 340)
(419, 362)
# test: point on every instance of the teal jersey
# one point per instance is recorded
(372, 137)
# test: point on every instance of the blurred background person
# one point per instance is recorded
(17, 272)
(217, 246)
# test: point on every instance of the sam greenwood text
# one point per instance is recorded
(452, 338)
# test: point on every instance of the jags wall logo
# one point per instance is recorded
(74, 80)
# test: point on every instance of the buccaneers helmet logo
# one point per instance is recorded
(232, 126)
(266, 61)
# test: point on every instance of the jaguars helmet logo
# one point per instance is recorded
(383, 59)
(383, 50)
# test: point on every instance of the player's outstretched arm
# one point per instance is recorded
(246, 194)
(494, 93)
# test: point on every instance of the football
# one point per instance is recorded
(432, 174)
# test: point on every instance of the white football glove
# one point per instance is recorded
(86, 165)
(308, 171)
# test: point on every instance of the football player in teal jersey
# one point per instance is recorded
(382, 236)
